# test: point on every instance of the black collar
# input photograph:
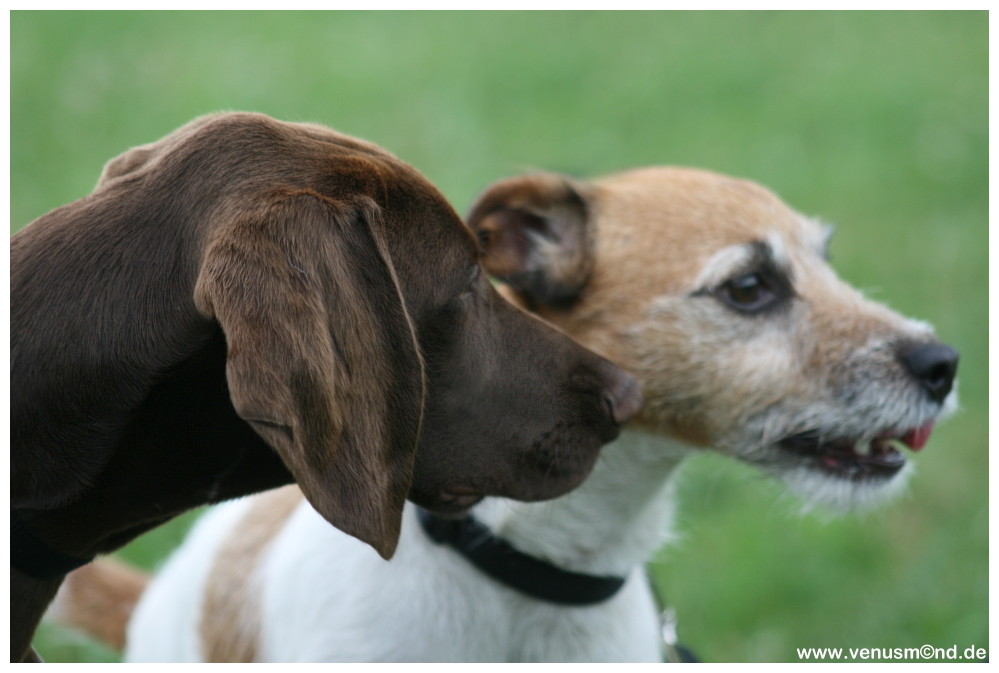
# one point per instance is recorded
(35, 558)
(501, 561)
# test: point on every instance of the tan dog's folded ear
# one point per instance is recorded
(322, 358)
(535, 235)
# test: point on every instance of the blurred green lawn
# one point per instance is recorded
(875, 121)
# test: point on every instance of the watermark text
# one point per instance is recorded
(923, 653)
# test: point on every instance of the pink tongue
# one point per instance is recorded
(917, 438)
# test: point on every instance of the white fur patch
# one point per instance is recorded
(723, 264)
(842, 496)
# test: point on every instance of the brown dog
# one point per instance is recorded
(248, 302)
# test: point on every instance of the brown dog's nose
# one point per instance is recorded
(623, 398)
(933, 365)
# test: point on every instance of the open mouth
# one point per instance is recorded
(847, 458)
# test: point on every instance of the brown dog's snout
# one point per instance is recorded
(623, 397)
(933, 365)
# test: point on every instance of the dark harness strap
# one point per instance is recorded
(35, 558)
(506, 564)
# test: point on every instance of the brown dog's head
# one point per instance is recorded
(364, 343)
(720, 299)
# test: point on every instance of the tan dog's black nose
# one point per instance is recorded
(624, 398)
(934, 366)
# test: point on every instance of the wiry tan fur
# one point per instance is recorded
(680, 223)
(231, 596)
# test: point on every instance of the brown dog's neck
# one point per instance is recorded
(184, 447)
(110, 515)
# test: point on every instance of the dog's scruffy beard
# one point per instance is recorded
(852, 464)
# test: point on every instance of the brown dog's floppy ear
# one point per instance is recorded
(322, 358)
(535, 235)
(126, 163)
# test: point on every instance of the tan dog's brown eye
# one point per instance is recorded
(749, 293)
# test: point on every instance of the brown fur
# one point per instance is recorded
(246, 303)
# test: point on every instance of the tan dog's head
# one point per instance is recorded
(721, 301)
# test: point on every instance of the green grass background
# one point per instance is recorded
(875, 121)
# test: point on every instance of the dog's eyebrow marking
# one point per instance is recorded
(771, 254)
(774, 252)
(723, 263)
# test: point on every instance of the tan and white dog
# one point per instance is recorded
(720, 300)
